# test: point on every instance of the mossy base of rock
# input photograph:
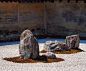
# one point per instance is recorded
(43, 59)
(65, 52)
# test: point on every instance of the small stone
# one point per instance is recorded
(50, 54)
(28, 46)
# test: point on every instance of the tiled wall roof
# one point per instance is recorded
(41, 0)
(27, 0)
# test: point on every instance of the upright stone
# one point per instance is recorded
(28, 46)
(73, 41)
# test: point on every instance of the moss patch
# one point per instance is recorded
(65, 52)
(43, 59)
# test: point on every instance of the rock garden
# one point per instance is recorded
(29, 49)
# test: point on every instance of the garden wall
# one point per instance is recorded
(58, 18)
(16, 17)
(66, 18)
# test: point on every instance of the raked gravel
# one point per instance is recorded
(73, 62)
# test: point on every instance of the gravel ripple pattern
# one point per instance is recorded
(73, 62)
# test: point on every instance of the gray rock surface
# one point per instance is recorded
(50, 54)
(73, 41)
(28, 46)
(55, 46)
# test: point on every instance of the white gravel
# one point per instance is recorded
(73, 62)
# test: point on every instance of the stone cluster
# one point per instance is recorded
(29, 48)
(72, 42)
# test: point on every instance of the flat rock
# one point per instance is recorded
(55, 46)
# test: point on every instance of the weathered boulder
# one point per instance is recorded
(50, 54)
(55, 46)
(25, 33)
(73, 41)
(28, 46)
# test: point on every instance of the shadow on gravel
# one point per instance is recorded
(43, 59)
(65, 52)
